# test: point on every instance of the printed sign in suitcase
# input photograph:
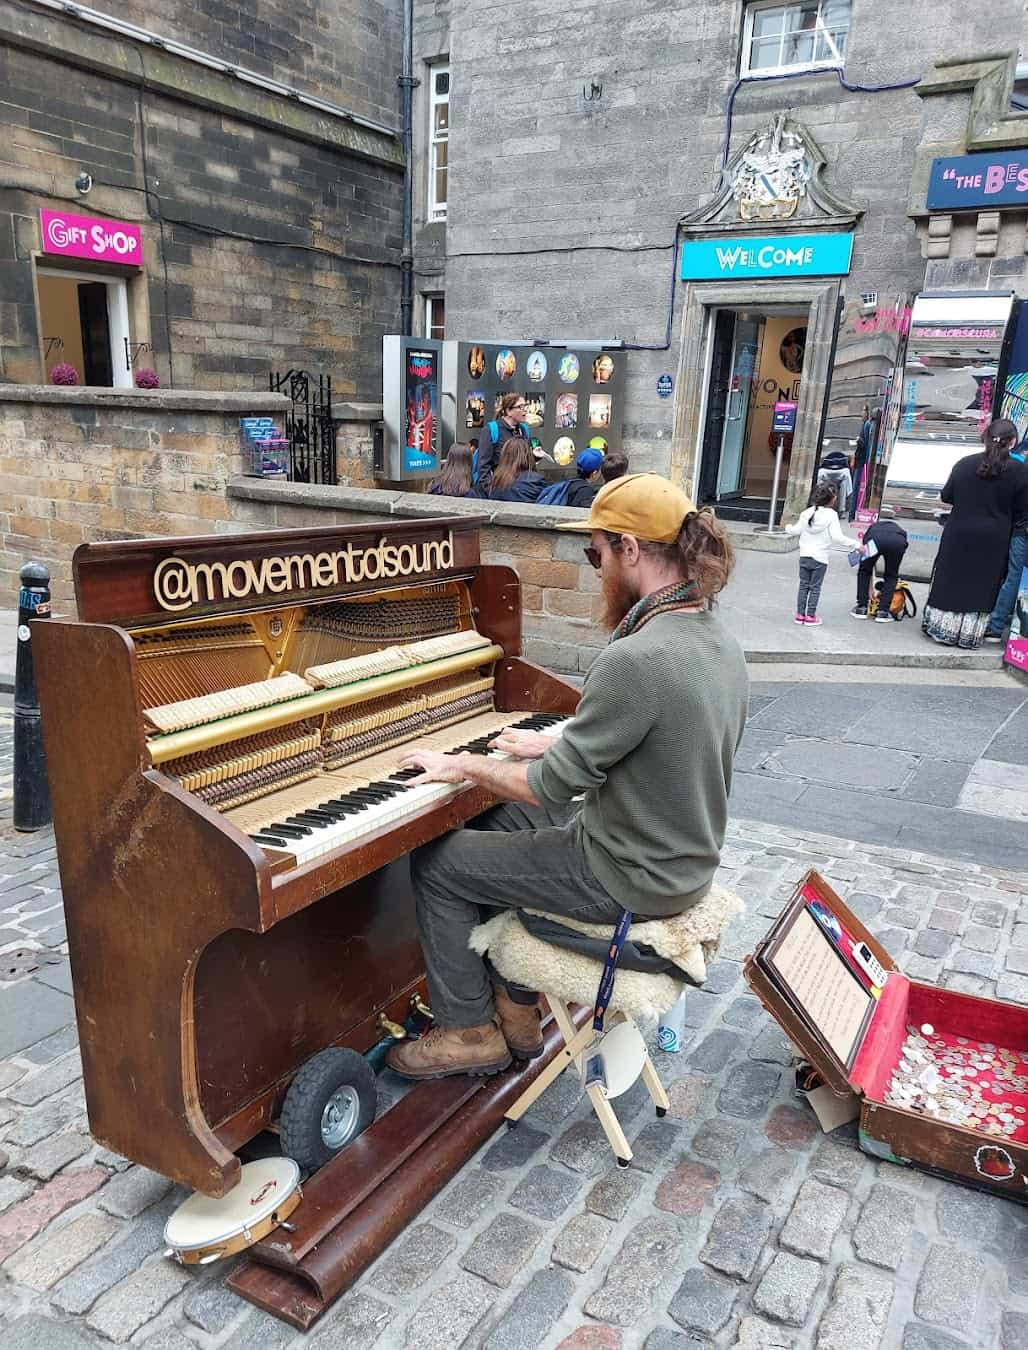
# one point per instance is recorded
(942, 1077)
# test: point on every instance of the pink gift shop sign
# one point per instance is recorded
(91, 237)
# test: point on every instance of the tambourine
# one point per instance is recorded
(204, 1229)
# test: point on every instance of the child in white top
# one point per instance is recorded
(818, 528)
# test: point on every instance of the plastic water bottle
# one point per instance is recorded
(671, 1027)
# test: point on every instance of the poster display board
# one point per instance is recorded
(951, 386)
(412, 399)
(573, 393)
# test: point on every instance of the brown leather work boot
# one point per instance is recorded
(445, 1051)
(520, 1023)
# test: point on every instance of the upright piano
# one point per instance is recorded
(207, 719)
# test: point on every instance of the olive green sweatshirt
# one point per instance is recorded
(651, 748)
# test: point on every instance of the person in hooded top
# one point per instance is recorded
(589, 480)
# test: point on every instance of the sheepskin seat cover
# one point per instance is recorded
(689, 940)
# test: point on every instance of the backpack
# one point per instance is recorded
(903, 602)
(555, 495)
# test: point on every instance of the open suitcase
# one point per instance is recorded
(942, 1077)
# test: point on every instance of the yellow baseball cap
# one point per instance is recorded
(643, 504)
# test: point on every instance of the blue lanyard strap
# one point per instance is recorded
(610, 963)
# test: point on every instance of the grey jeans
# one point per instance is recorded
(515, 856)
(812, 574)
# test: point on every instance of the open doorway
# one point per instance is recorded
(756, 361)
(84, 322)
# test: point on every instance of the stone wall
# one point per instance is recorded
(580, 135)
(347, 51)
(560, 593)
(271, 230)
(83, 464)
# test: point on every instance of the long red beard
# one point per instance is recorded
(618, 598)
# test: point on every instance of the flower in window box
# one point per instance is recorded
(64, 373)
(147, 379)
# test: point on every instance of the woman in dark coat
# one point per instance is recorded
(987, 492)
(514, 479)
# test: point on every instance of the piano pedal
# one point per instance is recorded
(392, 1029)
(420, 1007)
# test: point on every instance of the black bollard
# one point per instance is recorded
(31, 788)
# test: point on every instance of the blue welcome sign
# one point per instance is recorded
(961, 181)
(792, 255)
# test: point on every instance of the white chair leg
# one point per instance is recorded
(655, 1088)
(611, 1125)
(566, 1056)
(567, 1028)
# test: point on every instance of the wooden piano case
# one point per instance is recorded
(206, 970)
(942, 1076)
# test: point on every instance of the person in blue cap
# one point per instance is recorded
(584, 487)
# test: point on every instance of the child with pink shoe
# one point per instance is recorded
(818, 528)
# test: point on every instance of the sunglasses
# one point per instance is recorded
(593, 555)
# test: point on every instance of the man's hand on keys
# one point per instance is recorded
(521, 744)
(436, 768)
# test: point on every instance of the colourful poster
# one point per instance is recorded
(1016, 653)
(421, 449)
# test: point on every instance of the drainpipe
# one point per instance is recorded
(407, 84)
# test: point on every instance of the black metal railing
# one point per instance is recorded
(309, 427)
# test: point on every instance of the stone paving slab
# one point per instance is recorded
(739, 1225)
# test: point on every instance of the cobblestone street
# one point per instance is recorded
(739, 1224)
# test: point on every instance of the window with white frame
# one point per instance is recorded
(435, 316)
(438, 140)
(809, 36)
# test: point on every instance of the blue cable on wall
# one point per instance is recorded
(726, 147)
(801, 74)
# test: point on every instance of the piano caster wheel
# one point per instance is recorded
(623, 1163)
(662, 1111)
(329, 1103)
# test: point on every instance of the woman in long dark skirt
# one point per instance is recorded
(986, 491)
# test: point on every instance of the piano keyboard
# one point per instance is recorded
(345, 806)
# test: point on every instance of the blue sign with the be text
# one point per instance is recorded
(963, 181)
(793, 255)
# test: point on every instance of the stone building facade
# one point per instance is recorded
(254, 147)
(591, 145)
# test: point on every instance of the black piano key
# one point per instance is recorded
(316, 819)
(401, 775)
(290, 831)
(333, 812)
(271, 840)
(349, 808)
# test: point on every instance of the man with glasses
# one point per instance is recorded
(509, 422)
(627, 809)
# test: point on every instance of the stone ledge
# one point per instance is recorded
(357, 412)
(389, 502)
(163, 400)
(759, 541)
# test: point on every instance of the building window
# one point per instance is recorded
(780, 37)
(1019, 100)
(435, 316)
(438, 140)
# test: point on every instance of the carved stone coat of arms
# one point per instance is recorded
(771, 175)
